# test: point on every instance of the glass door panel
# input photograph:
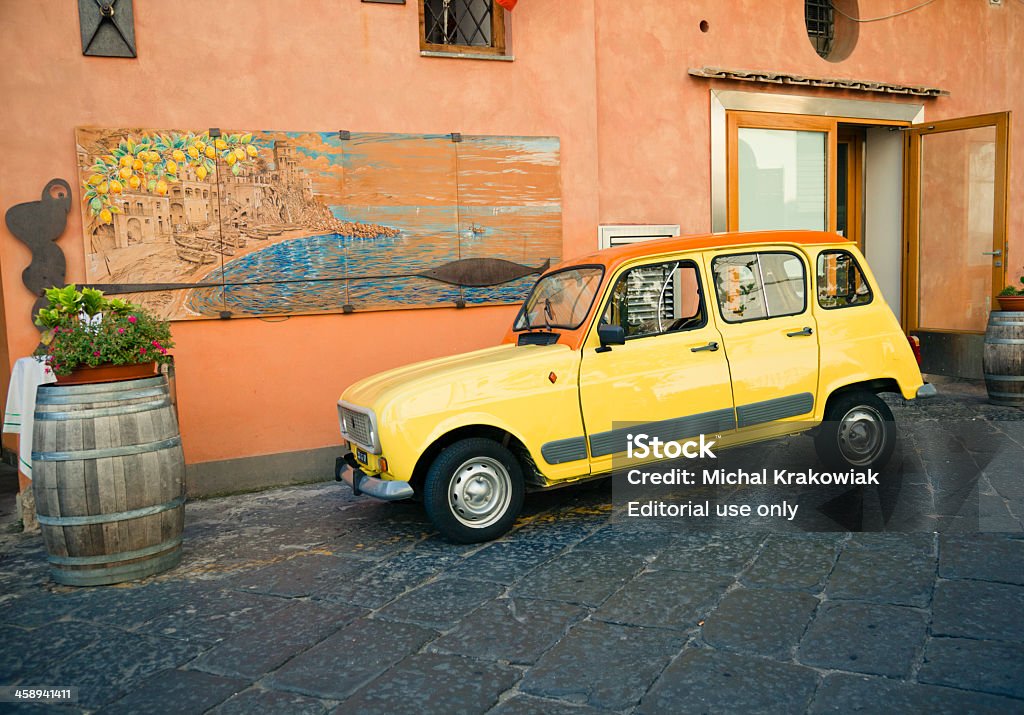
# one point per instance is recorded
(956, 227)
(782, 179)
(956, 207)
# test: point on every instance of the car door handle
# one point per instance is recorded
(712, 347)
(805, 331)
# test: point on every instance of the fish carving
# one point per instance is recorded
(38, 224)
(480, 272)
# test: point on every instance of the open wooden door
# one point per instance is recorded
(955, 236)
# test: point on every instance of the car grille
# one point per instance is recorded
(357, 426)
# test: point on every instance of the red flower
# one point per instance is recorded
(120, 331)
(142, 350)
(97, 353)
(132, 319)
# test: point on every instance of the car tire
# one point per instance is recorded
(858, 433)
(473, 491)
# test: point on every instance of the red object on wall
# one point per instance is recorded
(508, 4)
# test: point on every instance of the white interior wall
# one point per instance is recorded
(883, 210)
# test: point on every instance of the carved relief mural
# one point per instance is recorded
(200, 224)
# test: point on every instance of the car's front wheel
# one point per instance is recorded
(858, 432)
(473, 490)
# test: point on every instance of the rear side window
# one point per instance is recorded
(757, 286)
(841, 282)
(656, 299)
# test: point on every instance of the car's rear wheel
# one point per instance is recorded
(858, 432)
(473, 490)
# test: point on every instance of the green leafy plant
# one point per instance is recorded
(1010, 291)
(85, 329)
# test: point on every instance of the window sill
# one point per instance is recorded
(467, 55)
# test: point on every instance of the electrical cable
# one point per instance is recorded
(882, 17)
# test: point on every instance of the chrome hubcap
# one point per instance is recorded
(861, 435)
(480, 492)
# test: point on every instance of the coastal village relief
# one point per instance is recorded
(207, 223)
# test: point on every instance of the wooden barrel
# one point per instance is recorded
(1003, 360)
(108, 480)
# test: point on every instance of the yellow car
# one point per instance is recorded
(744, 336)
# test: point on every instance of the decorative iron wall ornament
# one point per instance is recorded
(38, 224)
(108, 28)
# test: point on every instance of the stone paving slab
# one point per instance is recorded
(903, 575)
(703, 680)
(603, 665)
(255, 700)
(663, 599)
(345, 661)
(531, 705)
(189, 691)
(791, 562)
(516, 630)
(864, 638)
(990, 666)
(760, 622)
(288, 631)
(841, 694)
(441, 604)
(433, 683)
(210, 616)
(586, 578)
(31, 651)
(109, 668)
(379, 583)
(717, 556)
(505, 562)
(986, 557)
(977, 609)
(304, 574)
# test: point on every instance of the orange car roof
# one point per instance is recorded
(612, 257)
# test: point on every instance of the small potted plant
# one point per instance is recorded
(88, 338)
(1012, 297)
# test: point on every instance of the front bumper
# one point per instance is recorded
(347, 469)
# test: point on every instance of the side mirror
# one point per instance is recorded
(610, 335)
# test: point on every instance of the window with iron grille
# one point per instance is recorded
(819, 18)
(462, 26)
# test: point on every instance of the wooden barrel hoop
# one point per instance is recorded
(1003, 359)
(108, 480)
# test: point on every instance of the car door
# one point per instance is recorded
(670, 379)
(769, 335)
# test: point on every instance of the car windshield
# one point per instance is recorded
(560, 300)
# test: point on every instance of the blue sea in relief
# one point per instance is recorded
(324, 273)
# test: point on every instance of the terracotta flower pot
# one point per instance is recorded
(1011, 302)
(107, 373)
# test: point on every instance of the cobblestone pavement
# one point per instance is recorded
(309, 600)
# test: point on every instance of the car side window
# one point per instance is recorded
(841, 282)
(756, 286)
(657, 299)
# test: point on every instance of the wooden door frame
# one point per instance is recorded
(736, 119)
(912, 202)
(855, 137)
